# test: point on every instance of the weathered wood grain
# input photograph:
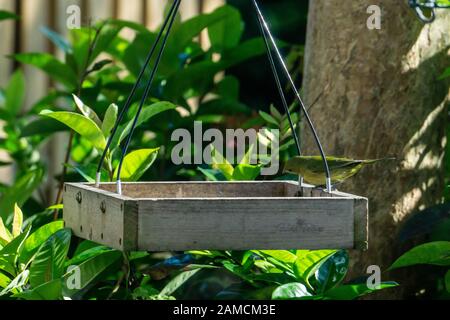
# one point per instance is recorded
(242, 224)
(100, 216)
(178, 216)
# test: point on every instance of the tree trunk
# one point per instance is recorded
(378, 95)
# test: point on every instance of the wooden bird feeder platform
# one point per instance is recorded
(179, 216)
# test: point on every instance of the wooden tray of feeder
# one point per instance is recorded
(179, 216)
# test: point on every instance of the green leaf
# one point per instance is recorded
(291, 291)
(177, 282)
(308, 262)
(147, 113)
(332, 272)
(57, 70)
(5, 235)
(49, 291)
(20, 191)
(42, 127)
(7, 15)
(11, 252)
(57, 39)
(110, 119)
(246, 172)
(89, 271)
(137, 163)
(226, 33)
(353, 291)
(17, 221)
(281, 255)
(15, 93)
(80, 124)
(268, 118)
(275, 113)
(37, 238)
(4, 281)
(434, 253)
(220, 163)
(16, 285)
(48, 264)
(86, 111)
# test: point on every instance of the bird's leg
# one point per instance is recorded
(300, 186)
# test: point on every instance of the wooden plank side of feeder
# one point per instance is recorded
(101, 216)
(241, 224)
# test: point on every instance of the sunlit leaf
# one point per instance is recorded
(86, 111)
(80, 124)
(137, 163)
(17, 221)
(37, 238)
(109, 120)
(48, 264)
(291, 291)
(434, 253)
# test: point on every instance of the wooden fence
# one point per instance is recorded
(24, 36)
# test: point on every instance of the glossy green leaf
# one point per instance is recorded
(434, 253)
(15, 93)
(5, 235)
(17, 221)
(88, 272)
(16, 285)
(281, 255)
(309, 261)
(147, 113)
(4, 281)
(246, 172)
(268, 118)
(49, 291)
(37, 238)
(137, 163)
(110, 119)
(57, 70)
(48, 263)
(332, 271)
(226, 33)
(177, 282)
(219, 162)
(353, 291)
(86, 111)
(291, 291)
(20, 191)
(80, 124)
(10, 254)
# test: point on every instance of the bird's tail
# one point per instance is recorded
(378, 160)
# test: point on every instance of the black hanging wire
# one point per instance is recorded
(268, 37)
(419, 5)
(170, 17)
(279, 86)
(145, 96)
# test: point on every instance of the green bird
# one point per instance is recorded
(312, 170)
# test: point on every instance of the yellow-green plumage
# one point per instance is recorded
(312, 170)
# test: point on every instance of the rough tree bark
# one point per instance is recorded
(380, 96)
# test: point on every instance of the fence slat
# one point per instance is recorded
(100, 9)
(132, 10)
(155, 12)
